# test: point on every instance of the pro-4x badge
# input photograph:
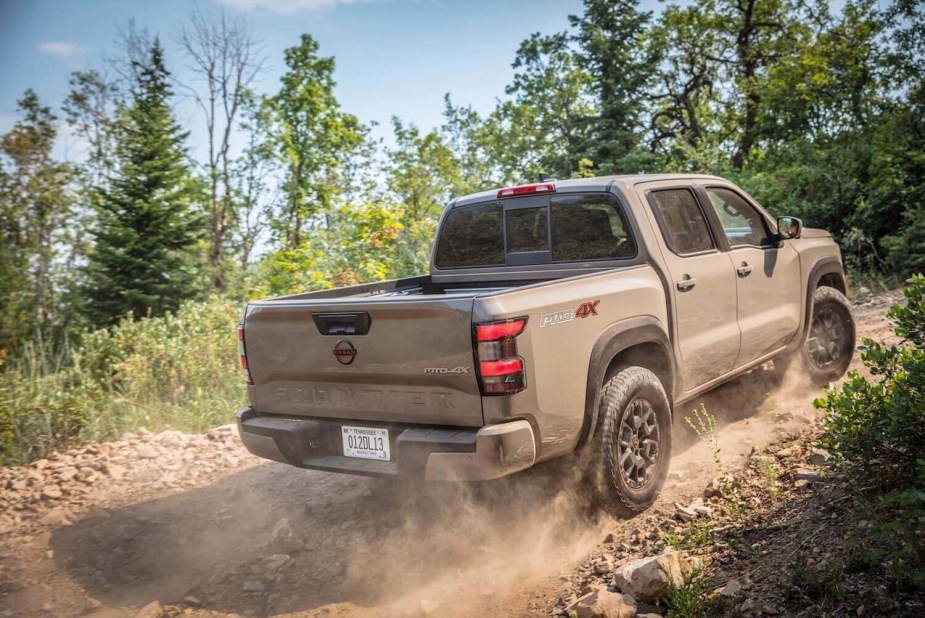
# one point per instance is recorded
(585, 310)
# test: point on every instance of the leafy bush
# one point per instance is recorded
(877, 428)
(176, 371)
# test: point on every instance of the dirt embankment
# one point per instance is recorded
(175, 524)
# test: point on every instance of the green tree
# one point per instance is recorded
(422, 175)
(147, 226)
(36, 201)
(312, 138)
(611, 35)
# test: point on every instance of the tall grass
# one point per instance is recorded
(178, 371)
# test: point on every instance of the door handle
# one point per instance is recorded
(686, 283)
(744, 270)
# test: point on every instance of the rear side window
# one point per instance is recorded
(589, 227)
(472, 236)
(682, 222)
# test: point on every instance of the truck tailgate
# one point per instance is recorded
(414, 365)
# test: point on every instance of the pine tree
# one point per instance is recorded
(143, 261)
(611, 35)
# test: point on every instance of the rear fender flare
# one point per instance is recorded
(617, 338)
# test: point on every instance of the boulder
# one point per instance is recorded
(647, 579)
(151, 610)
(602, 603)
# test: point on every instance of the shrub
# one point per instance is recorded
(877, 428)
(177, 371)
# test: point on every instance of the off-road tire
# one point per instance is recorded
(831, 306)
(624, 395)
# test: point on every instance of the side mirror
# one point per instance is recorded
(789, 227)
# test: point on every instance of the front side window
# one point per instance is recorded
(682, 222)
(471, 236)
(589, 227)
(742, 224)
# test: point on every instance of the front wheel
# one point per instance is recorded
(826, 353)
(633, 444)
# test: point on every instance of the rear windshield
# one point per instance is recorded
(560, 228)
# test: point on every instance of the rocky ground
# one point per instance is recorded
(171, 524)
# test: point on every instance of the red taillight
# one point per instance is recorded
(491, 369)
(540, 187)
(243, 354)
(501, 371)
(493, 331)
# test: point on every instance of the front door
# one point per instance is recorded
(767, 276)
(702, 283)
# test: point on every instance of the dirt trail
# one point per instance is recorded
(240, 536)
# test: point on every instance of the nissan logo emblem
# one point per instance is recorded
(344, 352)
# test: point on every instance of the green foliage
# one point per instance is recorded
(878, 427)
(311, 138)
(361, 245)
(175, 371)
(146, 229)
(36, 208)
(689, 599)
(704, 425)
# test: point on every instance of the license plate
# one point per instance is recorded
(366, 442)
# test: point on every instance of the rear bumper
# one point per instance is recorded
(433, 454)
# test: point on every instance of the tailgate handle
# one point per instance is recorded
(342, 323)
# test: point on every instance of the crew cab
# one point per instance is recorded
(558, 317)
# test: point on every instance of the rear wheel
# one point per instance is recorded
(633, 445)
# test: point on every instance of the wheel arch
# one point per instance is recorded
(640, 341)
(826, 272)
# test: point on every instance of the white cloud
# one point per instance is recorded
(69, 51)
(286, 7)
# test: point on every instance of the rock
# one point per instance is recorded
(91, 604)
(800, 484)
(254, 586)
(275, 562)
(808, 475)
(703, 510)
(193, 601)
(790, 451)
(115, 471)
(151, 610)
(732, 589)
(819, 457)
(769, 610)
(714, 489)
(609, 538)
(647, 579)
(602, 603)
(51, 492)
(676, 475)
(55, 517)
(67, 474)
(146, 451)
(685, 513)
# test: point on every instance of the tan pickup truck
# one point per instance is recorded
(558, 318)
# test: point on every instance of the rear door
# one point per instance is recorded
(767, 275)
(414, 364)
(702, 283)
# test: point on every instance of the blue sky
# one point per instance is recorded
(394, 57)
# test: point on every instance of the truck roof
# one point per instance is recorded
(597, 183)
